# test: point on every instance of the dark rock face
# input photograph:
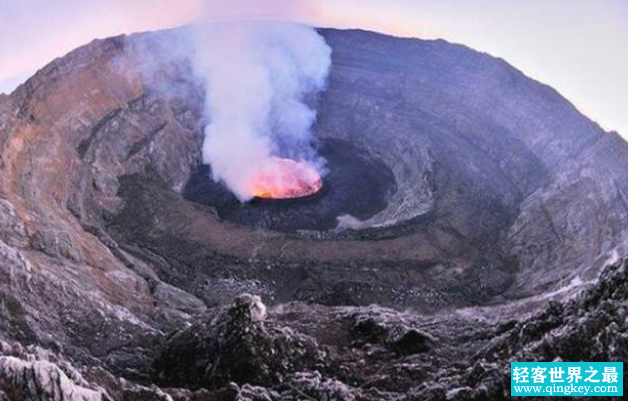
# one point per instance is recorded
(235, 346)
(381, 328)
(495, 206)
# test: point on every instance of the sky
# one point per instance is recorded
(580, 47)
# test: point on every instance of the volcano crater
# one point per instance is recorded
(433, 198)
(442, 191)
(355, 184)
(476, 193)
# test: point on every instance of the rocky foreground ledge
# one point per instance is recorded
(308, 352)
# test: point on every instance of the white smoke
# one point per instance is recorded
(256, 76)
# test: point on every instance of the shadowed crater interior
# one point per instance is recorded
(356, 184)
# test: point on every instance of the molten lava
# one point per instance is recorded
(285, 179)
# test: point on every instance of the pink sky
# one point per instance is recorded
(577, 46)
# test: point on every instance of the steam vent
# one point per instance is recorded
(467, 216)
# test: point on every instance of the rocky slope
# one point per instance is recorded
(115, 286)
(304, 352)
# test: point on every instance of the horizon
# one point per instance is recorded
(570, 45)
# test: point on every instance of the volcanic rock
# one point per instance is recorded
(387, 328)
(234, 346)
(36, 375)
(495, 232)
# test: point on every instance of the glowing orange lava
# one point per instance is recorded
(285, 179)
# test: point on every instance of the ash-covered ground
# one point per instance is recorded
(470, 217)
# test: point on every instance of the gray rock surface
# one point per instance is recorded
(113, 286)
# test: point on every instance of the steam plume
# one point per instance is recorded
(256, 75)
